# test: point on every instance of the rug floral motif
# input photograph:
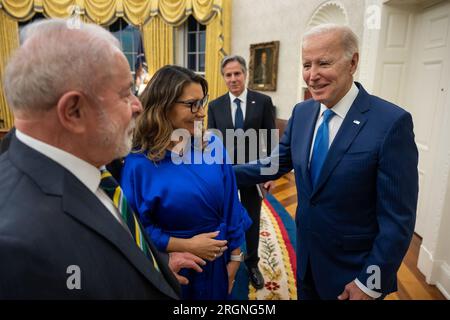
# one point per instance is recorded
(277, 259)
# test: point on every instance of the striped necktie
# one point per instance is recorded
(113, 190)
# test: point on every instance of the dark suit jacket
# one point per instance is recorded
(259, 114)
(362, 211)
(6, 140)
(49, 221)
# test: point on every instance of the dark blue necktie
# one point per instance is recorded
(239, 116)
(320, 149)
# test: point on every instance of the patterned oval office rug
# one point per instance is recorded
(277, 257)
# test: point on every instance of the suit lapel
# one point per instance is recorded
(353, 122)
(95, 216)
(225, 110)
(309, 120)
(250, 109)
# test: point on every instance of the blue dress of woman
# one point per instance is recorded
(192, 206)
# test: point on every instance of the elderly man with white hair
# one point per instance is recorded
(66, 231)
(355, 163)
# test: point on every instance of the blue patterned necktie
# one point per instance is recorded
(113, 190)
(239, 116)
(320, 149)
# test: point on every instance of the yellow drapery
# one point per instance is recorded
(217, 46)
(175, 12)
(215, 14)
(157, 37)
(9, 32)
(105, 12)
(156, 19)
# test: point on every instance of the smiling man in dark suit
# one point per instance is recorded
(61, 235)
(244, 109)
(355, 163)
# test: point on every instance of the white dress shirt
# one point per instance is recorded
(87, 174)
(341, 109)
(243, 98)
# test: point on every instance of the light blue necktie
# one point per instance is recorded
(320, 149)
(239, 116)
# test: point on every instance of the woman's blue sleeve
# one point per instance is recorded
(136, 185)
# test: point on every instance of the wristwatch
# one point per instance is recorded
(237, 257)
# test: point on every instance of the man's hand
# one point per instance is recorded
(178, 260)
(353, 292)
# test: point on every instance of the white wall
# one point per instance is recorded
(256, 21)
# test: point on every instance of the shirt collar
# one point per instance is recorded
(242, 97)
(341, 108)
(85, 172)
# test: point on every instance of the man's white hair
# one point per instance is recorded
(349, 39)
(54, 59)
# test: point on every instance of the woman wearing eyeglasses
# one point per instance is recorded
(184, 203)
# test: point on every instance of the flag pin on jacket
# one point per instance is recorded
(356, 122)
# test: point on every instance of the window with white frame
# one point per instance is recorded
(130, 40)
(190, 42)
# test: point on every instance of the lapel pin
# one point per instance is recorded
(253, 102)
(356, 122)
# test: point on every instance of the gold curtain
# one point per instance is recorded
(216, 15)
(175, 12)
(157, 37)
(217, 46)
(156, 19)
(9, 35)
(21, 10)
(105, 12)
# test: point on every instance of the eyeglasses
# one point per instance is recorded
(196, 104)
